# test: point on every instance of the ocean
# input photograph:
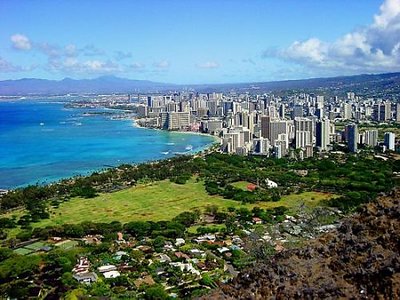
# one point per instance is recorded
(41, 141)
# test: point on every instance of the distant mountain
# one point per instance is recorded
(104, 84)
(389, 82)
(371, 84)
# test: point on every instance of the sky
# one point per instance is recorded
(198, 41)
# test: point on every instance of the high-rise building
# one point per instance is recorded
(320, 102)
(397, 112)
(382, 111)
(371, 138)
(175, 120)
(302, 139)
(261, 146)
(305, 126)
(297, 112)
(142, 111)
(346, 111)
(322, 134)
(319, 112)
(389, 140)
(265, 125)
(387, 111)
(270, 129)
(352, 138)
(282, 111)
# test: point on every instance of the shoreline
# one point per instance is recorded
(206, 147)
(216, 138)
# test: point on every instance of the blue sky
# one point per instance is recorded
(207, 41)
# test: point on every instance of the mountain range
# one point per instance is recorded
(112, 84)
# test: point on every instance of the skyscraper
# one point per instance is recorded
(347, 111)
(397, 112)
(352, 132)
(389, 140)
(305, 126)
(297, 112)
(371, 138)
(322, 133)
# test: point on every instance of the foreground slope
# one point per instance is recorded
(360, 260)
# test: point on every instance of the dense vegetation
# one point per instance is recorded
(357, 179)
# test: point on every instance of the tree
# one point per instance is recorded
(230, 224)
(158, 243)
(156, 292)
(24, 235)
(139, 229)
(208, 281)
(5, 253)
(186, 218)
(68, 280)
(211, 209)
(19, 267)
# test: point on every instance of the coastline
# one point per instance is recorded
(217, 139)
(135, 124)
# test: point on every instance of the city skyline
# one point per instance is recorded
(200, 42)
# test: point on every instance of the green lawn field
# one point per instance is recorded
(241, 185)
(157, 201)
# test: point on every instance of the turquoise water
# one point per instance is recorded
(41, 142)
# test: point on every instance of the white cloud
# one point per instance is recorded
(389, 11)
(375, 48)
(20, 42)
(6, 66)
(49, 50)
(164, 64)
(73, 65)
(208, 65)
(100, 66)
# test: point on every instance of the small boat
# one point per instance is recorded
(189, 147)
(41, 124)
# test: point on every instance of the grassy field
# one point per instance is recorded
(241, 185)
(193, 229)
(157, 201)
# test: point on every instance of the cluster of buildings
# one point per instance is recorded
(266, 124)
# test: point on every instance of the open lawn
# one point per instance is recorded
(307, 199)
(241, 185)
(23, 251)
(35, 246)
(157, 201)
(193, 229)
(67, 244)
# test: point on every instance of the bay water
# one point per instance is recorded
(42, 141)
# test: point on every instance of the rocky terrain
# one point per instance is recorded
(359, 260)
